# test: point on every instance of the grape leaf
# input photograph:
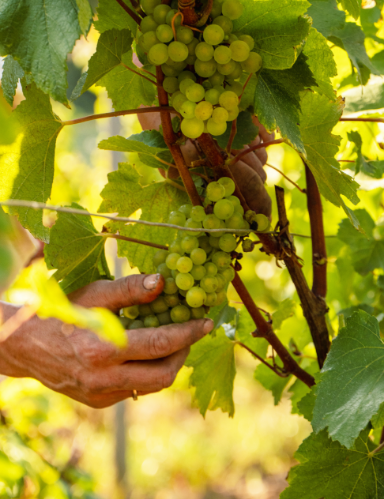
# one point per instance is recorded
(246, 132)
(124, 86)
(330, 471)
(366, 98)
(366, 252)
(214, 371)
(307, 404)
(378, 419)
(326, 16)
(27, 168)
(12, 72)
(369, 18)
(85, 16)
(277, 99)
(278, 28)
(124, 195)
(76, 251)
(373, 169)
(318, 116)
(110, 15)
(271, 381)
(109, 52)
(245, 326)
(352, 7)
(149, 145)
(321, 63)
(39, 35)
(285, 311)
(222, 314)
(299, 390)
(351, 386)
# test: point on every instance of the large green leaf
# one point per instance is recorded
(374, 169)
(213, 362)
(149, 145)
(366, 252)
(124, 86)
(12, 72)
(110, 15)
(366, 98)
(109, 52)
(318, 117)
(352, 7)
(27, 167)
(124, 195)
(76, 251)
(326, 16)
(39, 34)
(271, 381)
(246, 132)
(321, 63)
(277, 99)
(330, 471)
(244, 327)
(351, 387)
(278, 29)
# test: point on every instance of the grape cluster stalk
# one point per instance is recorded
(202, 68)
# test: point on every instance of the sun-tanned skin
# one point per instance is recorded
(81, 366)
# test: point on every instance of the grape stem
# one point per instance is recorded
(372, 120)
(132, 240)
(232, 136)
(139, 74)
(264, 330)
(279, 372)
(254, 148)
(286, 177)
(130, 12)
(245, 86)
(113, 114)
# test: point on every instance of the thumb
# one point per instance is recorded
(124, 292)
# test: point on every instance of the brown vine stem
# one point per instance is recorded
(375, 451)
(130, 12)
(286, 177)
(232, 136)
(254, 148)
(187, 8)
(133, 240)
(264, 330)
(139, 74)
(245, 85)
(279, 373)
(113, 114)
(170, 139)
(205, 14)
(372, 120)
(314, 307)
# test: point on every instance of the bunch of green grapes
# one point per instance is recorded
(202, 69)
(197, 267)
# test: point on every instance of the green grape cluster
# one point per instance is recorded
(202, 69)
(197, 267)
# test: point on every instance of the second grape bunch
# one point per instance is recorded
(207, 94)
(197, 267)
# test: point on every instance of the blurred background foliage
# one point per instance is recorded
(53, 447)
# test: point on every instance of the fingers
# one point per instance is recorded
(125, 292)
(157, 343)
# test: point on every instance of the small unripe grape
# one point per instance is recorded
(159, 305)
(174, 273)
(222, 260)
(192, 46)
(160, 257)
(227, 242)
(164, 318)
(184, 84)
(214, 241)
(180, 314)
(197, 213)
(164, 33)
(137, 324)
(235, 221)
(204, 243)
(228, 274)
(198, 256)
(240, 50)
(223, 209)
(197, 313)
(253, 63)
(237, 88)
(222, 54)
(203, 110)
(226, 69)
(236, 73)
(177, 218)
(184, 281)
(171, 260)
(198, 272)
(171, 84)
(195, 297)
(209, 283)
(233, 113)
(151, 321)
(217, 79)
(131, 312)
(148, 24)
(145, 310)
(192, 224)
(220, 115)
(125, 322)
(178, 100)
(221, 298)
(169, 70)
(184, 264)
(164, 270)
(210, 268)
(188, 108)
(172, 300)
(215, 192)
(229, 186)
(158, 53)
(204, 51)
(192, 128)
(213, 34)
(248, 245)
(215, 128)
(175, 247)
(229, 100)
(170, 286)
(195, 92)
(211, 222)
(178, 51)
(189, 243)
(184, 35)
(212, 96)
(225, 23)
(205, 68)
(186, 75)
(210, 299)
(232, 38)
(148, 6)
(232, 9)
(148, 40)
(160, 13)
(248, 40)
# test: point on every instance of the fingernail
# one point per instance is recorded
(208, 326)
(150, 282)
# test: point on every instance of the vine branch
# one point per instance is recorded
(130, 12)
(372, 120)
(276, 371)
(254, 148)
(113, 114)
(286, 177)
(139, 74)
(132, 240)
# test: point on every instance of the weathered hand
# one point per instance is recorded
(78, 364)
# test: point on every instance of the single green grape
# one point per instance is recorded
(148, 6)
(226, 69)
(222, 260)
(215, 128)
(214, 241)
(234, 200)
(227, 242)
(248, 40)
(205, 244)
(178, 100)
(160, 13)
(216, 9)
(137, 324)
(212, 96)
(151, 321)
(184, 34)
(215, 192)
(164, 318)
(217, 79)
(253, 63)
(231, 38)
(159, 305)
(204, 51)
(222, 54)
(211, 222)
(145, 310)
(160, 257)
(240, 50)
(171, 84)
(203, 110)
(170, 286)
(210, 268)
(148, 40)
(228, 274)
(229, 186)
(232, 9)
(198, 272)
(262, 221)
(197, 313)
(229, 100)
(177, 218)
(171, 260)
(149, 24)
(172, 300)
(235, 221)
(158, 53)
(233, 113)
(192, 128)
(198, 256)
(188, 108)
(223, 209)
(184, 84)
(177, 51)
(213, 34)
(189, 243)
(210, 299)
(205, 69)
(195, 297)
(131, 312)
(186, 209)
(195, 92)
(184, 264)
(180, 314)
(175, 247)
(209, 283)
(184, 281)
(164, 270)
(163, 32)
(225, 23)
(220, 115)
(197, 213)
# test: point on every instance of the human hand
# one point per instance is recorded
(77, 363)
